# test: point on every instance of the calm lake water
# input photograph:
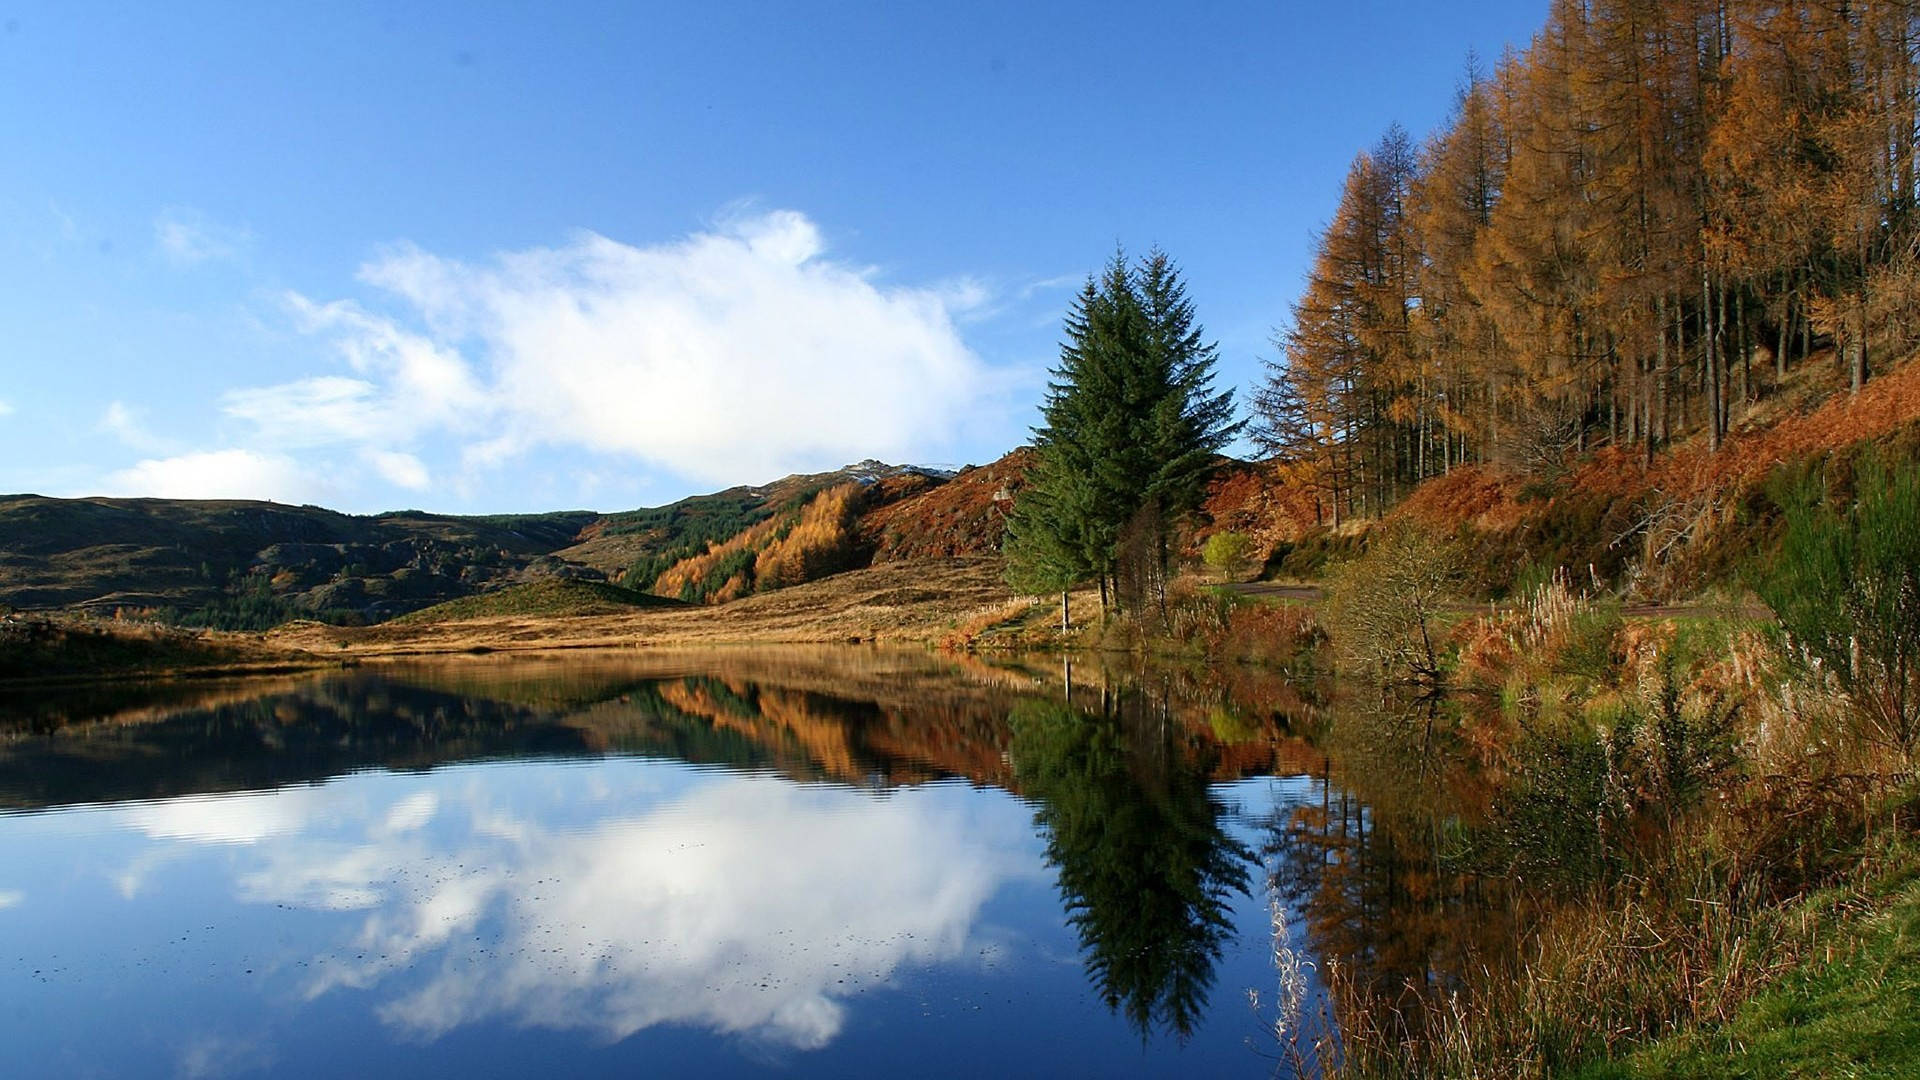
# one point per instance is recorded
(806, 863)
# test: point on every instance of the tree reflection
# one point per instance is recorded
(1145, 868)
(1369, 868)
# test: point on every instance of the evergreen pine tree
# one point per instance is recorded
(1130, 428)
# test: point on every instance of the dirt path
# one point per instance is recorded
(1275, 590)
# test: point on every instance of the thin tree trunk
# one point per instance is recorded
(1785, 337)
(1859, 370)
(1680, 359)
(1662, 376)
(1709, 361)
(1745, 345)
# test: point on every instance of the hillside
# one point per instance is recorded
(964, 516)
(251, 565)
(54, 648)
(557, 597)
(638, 545)
(1658, 529)
(917, 603)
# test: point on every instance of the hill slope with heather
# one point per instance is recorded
(251, 565)
(1658, 529)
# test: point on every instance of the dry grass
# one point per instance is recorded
(899, 603)
(59, 648)
(1682, 949)
(1718, 875)
(1016, 614)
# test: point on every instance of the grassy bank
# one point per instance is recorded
(1708, 820)
(62, 648)
(556, 598)
(898, 603)
(1851, 1007)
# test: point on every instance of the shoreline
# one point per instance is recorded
(915, 604)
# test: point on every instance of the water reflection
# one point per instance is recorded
(824, 859)
(689, 910)
(1369, 868)
(811, 715)
(1146, 870)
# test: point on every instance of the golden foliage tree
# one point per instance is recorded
(1617, 228)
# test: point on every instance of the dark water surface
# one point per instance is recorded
(807, 863)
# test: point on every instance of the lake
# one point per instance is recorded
(804, 862)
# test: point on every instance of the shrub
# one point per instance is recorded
(1845, 586)
(1227, 552)
(1384, 607)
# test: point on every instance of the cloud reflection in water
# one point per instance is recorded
(744, 905)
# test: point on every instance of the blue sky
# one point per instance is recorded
(483, 258)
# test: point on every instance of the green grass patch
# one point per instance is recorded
(1856, 1016)
(546, 598)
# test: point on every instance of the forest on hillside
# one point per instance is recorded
(1628, 233)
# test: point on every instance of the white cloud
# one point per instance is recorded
(412, 812)
(6, 407)
(187, 237)
(11, 898)
(227, 819)
(207, 1055)
(734, 354)
(705, 879)
(221, 474)
(1042, 285)
(124, 423)
(400, 470)
(416, 382)
(321, 411)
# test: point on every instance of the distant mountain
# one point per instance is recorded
(254, 564)
(714, 548)
(249, 563)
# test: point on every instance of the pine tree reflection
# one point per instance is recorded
(1145, 869)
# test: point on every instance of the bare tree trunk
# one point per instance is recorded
(1785, 338)
(1859, 344)
(1709, 361)
(1680, 358)
(1662, 376)
(1745, 345)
